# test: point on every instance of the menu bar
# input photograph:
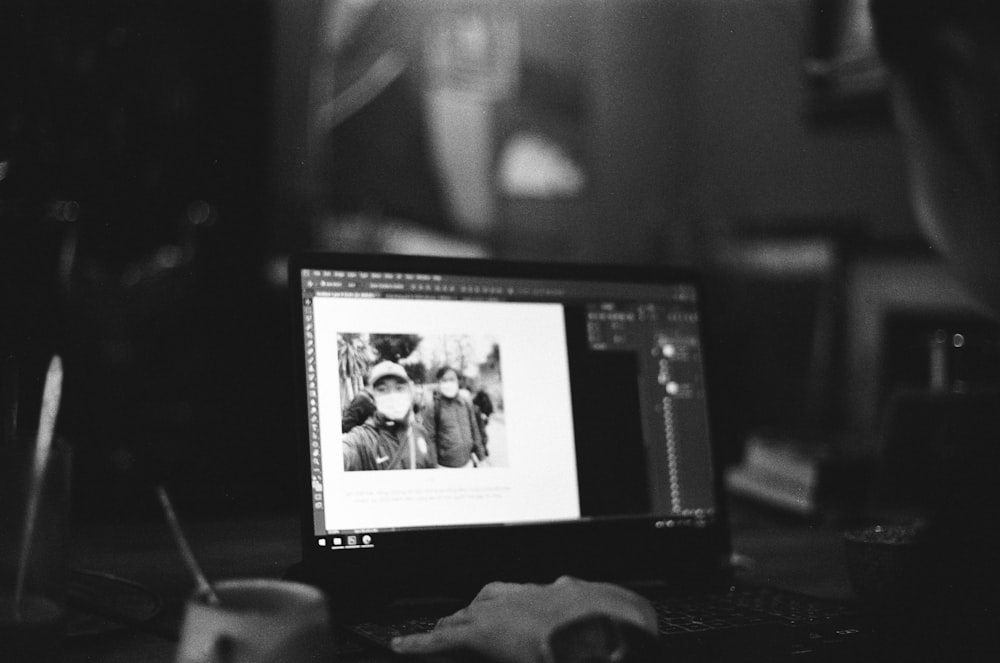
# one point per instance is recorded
(337, 283)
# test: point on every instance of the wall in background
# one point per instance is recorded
(752, 150)
(693, 124)
(694, 121)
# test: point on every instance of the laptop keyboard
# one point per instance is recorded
(382, 633)
(743, 607)
(734, 610)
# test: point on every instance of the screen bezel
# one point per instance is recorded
(639, 549)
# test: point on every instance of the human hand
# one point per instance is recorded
(511, 623)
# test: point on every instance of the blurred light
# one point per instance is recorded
(4, 169)
(787, 257)
(66, 211)
(535, 166)
(276, 271)
(168, 257)
(200, 213)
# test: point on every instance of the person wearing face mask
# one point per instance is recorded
(391, 438)
(453, 424)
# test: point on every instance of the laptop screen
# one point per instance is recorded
(447, 399)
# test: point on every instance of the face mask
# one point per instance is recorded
(394, 407)
(449, 389)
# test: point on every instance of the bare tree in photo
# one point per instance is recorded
(355, 361)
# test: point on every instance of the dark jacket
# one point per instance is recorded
(379, 444)
(358, 410)
(453, 430)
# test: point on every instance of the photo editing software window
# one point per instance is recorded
(575, 401)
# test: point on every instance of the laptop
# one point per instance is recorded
(594, 458)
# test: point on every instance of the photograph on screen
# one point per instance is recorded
(421, 401)
(515, 352)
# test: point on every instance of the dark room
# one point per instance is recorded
(699, 298)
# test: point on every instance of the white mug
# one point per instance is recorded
(257, 620)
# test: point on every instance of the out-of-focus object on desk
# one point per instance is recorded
(887, 564)
(34, 509)
(792, 554)
(779, 549)
(257, 620)
(102, 603)
(807, 476)
(204, 589)
(128, 593)
(939, 421)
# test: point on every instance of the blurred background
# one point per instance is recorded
(160, 159)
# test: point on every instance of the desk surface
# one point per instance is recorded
(145, 553)
(790, 555)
